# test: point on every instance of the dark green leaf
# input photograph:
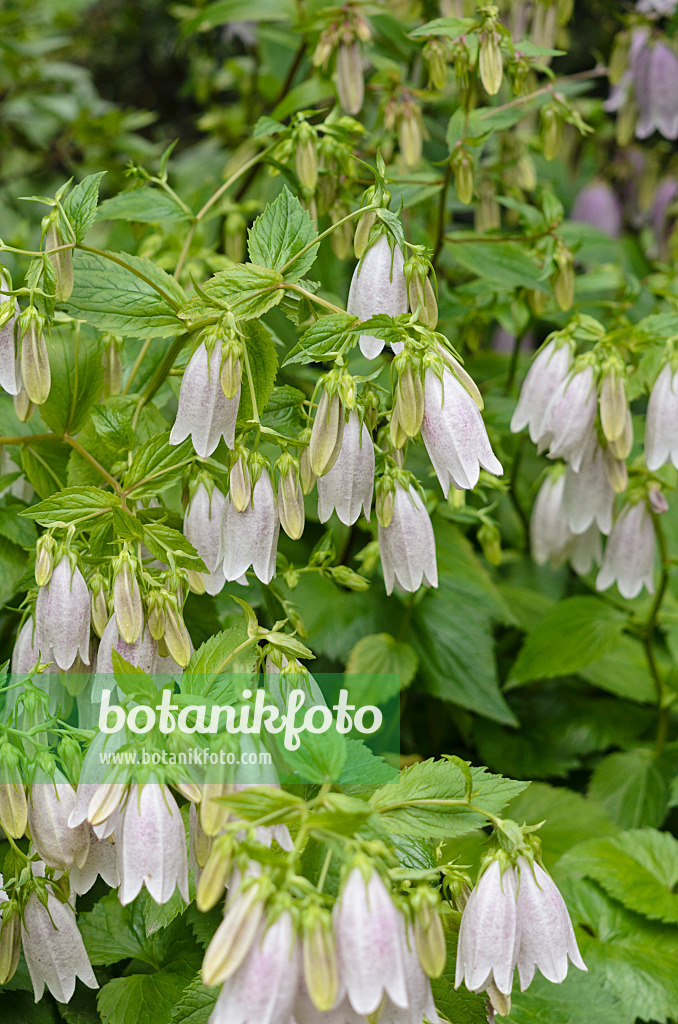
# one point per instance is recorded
(155, 465)
(263, 359)
(280, 232)
(71, 504)
(45, 464)
(80, 205)
(148, 205)
(631, 787)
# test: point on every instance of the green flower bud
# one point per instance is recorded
(319, 954)
(240, 483)
(410, 139)
(215, 874)
(462, 168)
(490, 62)
(127, 605)
(385, 500)
(487, 215)
(349, 77)
(231, 367)
(489, 539)
(341, 238)
(397, 434)
(99, 608)
(327, 434)
(616, 471)
(234, 937)
(44, 559)
(107, 799)
(362, 233)
(621, 447)
(409, 402)
(196, 581)
(346, 577)
(429, 936)
(10, 942)
(551, 127)
(62, 262)
(202, 843)
(235, 227)
(176, 635)
(619, 58)
(13, 805)
(290, 498)
(435, 55)
(306, 159)
(35, 370)
(23, 406)
(613, 405)
(307, 475)
(563, 281)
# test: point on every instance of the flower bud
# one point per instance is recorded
(397, 434)
(306, 473)
(10, 942)
(346, 577)
(409, 399)
(106, 801)
(613, 405)
(44, 559)
(621, 447)
(240, 484)
(350, 81)
(99, 612)
(616, 471)
(290, 498)
(196, 581)
(13, 804)
(127, 605)
(155, 615)
(490, 62)
(235, 227)
(23, 406)
(429, 937)
(319, 953)
(462, 167)
(341, 238)
(216, 873)
(551, 131)
(213, 815)
(563, 281)
(202, 843)
(35, 369)
(62, 262)
(234, 937)
(410, 139)
(619, 57)
(384, 503)
(489, 538)
(487, 215)
(230, 374)
(327, 434)
(112, 361)
(435, 56)
(176, 635)
(362, 233)
(306, 160)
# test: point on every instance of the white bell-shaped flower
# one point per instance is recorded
(454, 433)
(586, 550)
(62, 616)
(26, 652)
(370, 943)
(420, 1004)
(251, 537)
(53, 947)
(569, 418)
(661, 424)
(378, 286)
(587, 494)
(203, 528)
(142, 653)
(488, 937)
(347, 488)
(630, 553)
(102, 861)
(549, 532)
(49, 808)
(204, 412)
(548, 371)
(407, 545)
(546, 935)
(151, 845)
(10, 366)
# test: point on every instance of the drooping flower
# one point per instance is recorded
(53, 947)
(488, 936)
(655, 81)
(630, 553)
(101, 861)
(10, 369)
(587, 495)
(407, 545)
(151, 845)
(661, 7)
(454, 433)
(203, 528)
(50, 806)
(569, 417)
(586, 550)
(546, 935)
(597, 204)
(347, 488)
(251, 537)
(661, 424)
(62, 616)
(663, 215)
(548, 371)
(551, 539)
(142, 653)
(420, 1004)
(369, 931)
(378, 286)
(263, 988)
(204, 412)
(26, 653)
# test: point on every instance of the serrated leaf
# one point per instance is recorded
(144, 998)
(13, 563)
(158, 916)
(155, 465)
(622, 671)
(196, 1004)
(319, 759)
(280, 232)
(505, 264)
(161, 539)
(247, 290)
(16, 529)
(77, 375)
(324, 339)
(263, 359)
(208, 660)
(146, 205)
(112, 426)
(71, 504)
(383, 666)
(285, 410)
(80, 205)
(580, 999)
(631, 787)
(139, 302)
(45, 464)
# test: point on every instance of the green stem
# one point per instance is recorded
(328, 231)
(137, 363)
(442, 206)
(93, 462)
(250, 381)
(313, 298)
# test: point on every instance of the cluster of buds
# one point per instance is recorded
(436, 55)
(345, 38)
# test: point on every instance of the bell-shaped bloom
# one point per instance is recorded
(102, 861)
(151, 845)
(586, 550)
(10, 367)
(551, 539)
(569, 418)
(420, 1004)
(53, 947)
(26, 652)
(305, 1011)
(661, 425)
(378, 286)
(454, 433)
(202, 527)
(263, 988)
(347, 488)
(546, 934)
(488, 936)
(654, 71)
(665, 8)
(50, 806)
(370, 936)
(204, 412)
(663, 215)
(142, 653)
(62, 616)
(630, 553)
(407, 545)
(251, 537)
(597, 204)
(587, 495)
(548, 371)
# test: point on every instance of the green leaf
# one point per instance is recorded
(13, 563)
(80, 205)
(572, 635)
(220, 12)
(279, 233)
(146, 205)
(638, 868)
(207, 662)
(452, 28)
(145, 998)
(386, 665)
(45, 464)
(505, 264)
(70, 505)
(155, 465)
(622, 671)
(112, 932)
(158, 916)
(263, 359)
(247, 290)
(285, 410)
(631, 787)
(139, 302)
(320, 758)
(112, 427)
(14, 529)
(323, 339)
(440, 781)
(159, 539)
(363, 768)
(77, 375)
(196, 1004)
(21, 1008)
(580, 999)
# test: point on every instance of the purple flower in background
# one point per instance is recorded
(548, 371)
(661, 425)
(630, 553)
(378, 286)
(652, 78)
(204, 412)
(597, 204)
(664, 8)
(347, 488)
(407, 545)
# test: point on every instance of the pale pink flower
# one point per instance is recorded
(454, 433)
(546, 935)
(407, 545)
(661, 425)
(569, 417)
(370, 943)
(548, 371)
(587, 495)
(101, 861)
(597, 204)
(488, 937)
(26, 653)
(10, 366)
(203, 528)
(49, 808)
(142, 653)
(53, 947)
(204, 412)
(251, 537)
(630, 553)
(655, 81)
(151, 845)
(586, 550)
(420, 1004)
(347, 488)
(62, 616)
(378, 286)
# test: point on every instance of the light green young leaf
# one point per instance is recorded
(384, 666)
(247, 290)
(80, 205)
(71, 504)
(280, 232)
(160, 538)
(631, 787)
(155, 465)
(146, 205)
